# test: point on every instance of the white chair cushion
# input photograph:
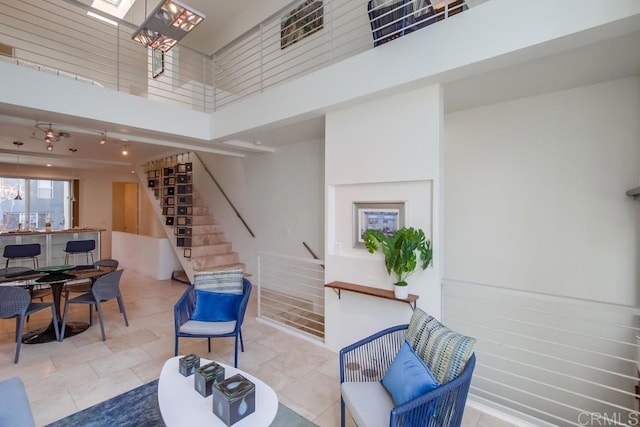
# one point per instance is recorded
(197, 327)
(369, 403)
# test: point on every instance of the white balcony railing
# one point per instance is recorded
(58, 37)
(561, 360)
(291, 293)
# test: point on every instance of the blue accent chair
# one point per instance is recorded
(187, 328)
(362, 367)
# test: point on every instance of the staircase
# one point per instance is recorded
(199, 241)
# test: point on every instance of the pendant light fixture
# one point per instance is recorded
(18, 144)
(73, 166)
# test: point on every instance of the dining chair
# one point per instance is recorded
(85, 247)
(29, 250)
(206, 314)
(84, 286)
(106, 288)
(15, 302)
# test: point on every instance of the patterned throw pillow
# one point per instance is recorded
(229, 281)
(444, 351)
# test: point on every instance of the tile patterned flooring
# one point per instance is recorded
(64, 377)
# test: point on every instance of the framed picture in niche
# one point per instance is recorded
(157, 63)
(387, 217)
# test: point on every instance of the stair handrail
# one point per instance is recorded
(225, 196)
(312, 253)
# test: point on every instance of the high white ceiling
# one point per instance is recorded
(610, 59)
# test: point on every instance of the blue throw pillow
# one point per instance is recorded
(215, 306)
(408, 377)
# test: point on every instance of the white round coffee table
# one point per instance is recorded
(181, 405)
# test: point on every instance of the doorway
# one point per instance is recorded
(125, 207)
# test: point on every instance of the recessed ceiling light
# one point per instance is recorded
(48, 165)
(133, 171)
(125, 152)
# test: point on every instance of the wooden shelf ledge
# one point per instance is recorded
(368, 290)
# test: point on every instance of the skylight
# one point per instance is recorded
(117, 8)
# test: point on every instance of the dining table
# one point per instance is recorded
(54, 277)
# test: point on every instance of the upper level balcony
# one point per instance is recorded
(65, 38)
(305, 57)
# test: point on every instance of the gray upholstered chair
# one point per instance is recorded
(15, 302)
(15, 410)
(106, 288)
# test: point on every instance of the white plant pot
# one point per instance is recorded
(401, 292)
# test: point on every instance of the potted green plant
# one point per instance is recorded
(401, 251)
(47, 224)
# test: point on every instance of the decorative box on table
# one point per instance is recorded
(206, 376)
(234, 399)
(188, 364)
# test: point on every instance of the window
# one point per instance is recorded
(45, 189)
(41, 201)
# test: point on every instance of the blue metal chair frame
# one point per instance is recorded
(440, 407)
(184, 308)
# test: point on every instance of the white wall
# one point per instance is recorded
(535, 193)
(280, 196)
(147, 255)
(383, 150)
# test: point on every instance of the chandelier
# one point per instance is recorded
(51, 136)
(169, 22)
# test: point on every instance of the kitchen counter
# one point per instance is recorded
(52, 244)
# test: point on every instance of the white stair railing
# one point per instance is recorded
(291, 293)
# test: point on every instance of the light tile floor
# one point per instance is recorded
(64, 377)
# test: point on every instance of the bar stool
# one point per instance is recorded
(80, 247)
(31, 250)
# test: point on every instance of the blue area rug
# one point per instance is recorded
(139, 408)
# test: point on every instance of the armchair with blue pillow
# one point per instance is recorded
(408, 375)
(213, 307)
